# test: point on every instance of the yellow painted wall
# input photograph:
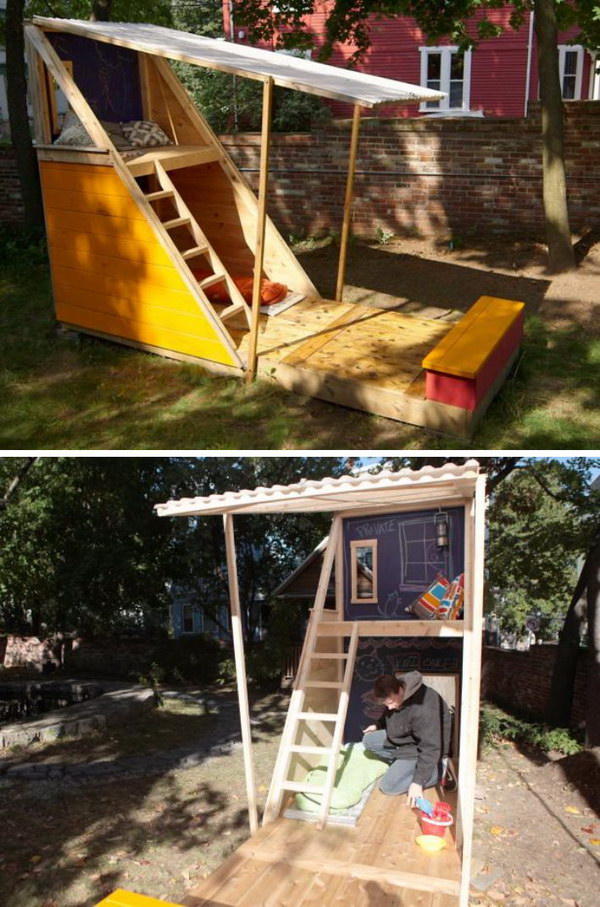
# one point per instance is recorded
(109, 271)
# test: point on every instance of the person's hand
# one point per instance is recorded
(370, 729)
(414, 792)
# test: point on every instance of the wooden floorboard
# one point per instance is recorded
(377, 862)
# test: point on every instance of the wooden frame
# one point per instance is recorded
(363, 357)
(356, 567)
(279, 848)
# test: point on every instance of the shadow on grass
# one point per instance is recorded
(86, 393)
(73, 840)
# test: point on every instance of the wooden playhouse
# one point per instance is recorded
(148, 243)
(392, 522)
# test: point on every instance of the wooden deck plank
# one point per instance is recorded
(378, 858)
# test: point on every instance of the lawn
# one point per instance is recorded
(68, 391)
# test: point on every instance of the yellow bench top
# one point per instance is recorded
(468, 344)
(123, 898)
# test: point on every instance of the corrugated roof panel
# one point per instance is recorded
(330, 494)
(253, 62)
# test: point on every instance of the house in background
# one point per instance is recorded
(498, 79)
(188, 617)
(301, 585)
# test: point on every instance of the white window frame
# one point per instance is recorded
(563, 50)
(446, 52)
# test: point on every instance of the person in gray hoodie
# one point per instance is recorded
(412, 734)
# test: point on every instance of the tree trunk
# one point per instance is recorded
(565, 665)
(593, 662)
(16, 91)
(101, 10)
(560, 249)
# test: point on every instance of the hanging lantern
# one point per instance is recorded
(442, 530)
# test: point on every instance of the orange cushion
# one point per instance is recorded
(270, 292)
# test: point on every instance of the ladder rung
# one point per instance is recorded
(191, 253)
(317, 750)
(176, 222)
(317, 716)
(328, 655)
(232, 310)
(209, 281)
(302, 787)
(341, 631)
(324, 684)
(162, 193)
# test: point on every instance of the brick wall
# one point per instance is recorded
(11, 207)
(429, 176)
(521, 681)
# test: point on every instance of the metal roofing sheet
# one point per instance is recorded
(329, 494)
(252, 62)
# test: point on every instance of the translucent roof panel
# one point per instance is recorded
(346, 493)
(252, 62)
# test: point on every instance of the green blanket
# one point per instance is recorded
(356, 771)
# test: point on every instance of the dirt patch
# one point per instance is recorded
(537, 829)
(435, 278)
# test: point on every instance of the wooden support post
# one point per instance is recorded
(472, 643)
(339, 290)
(260, 224)
(240, 670)
(39, 95)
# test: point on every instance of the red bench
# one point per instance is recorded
(468, 365)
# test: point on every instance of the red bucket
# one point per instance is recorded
(433, 826)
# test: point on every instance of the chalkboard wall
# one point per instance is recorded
(408, 559)
(380, 655)
(107, 75)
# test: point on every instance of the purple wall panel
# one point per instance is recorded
(408, 559)
(106, 75)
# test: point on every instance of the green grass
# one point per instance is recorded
(497, 727)
(76, 392)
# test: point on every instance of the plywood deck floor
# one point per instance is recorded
(291, 863)
(359, 356)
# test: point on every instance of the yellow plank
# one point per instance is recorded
(137, 292)
(123, 898)
(100, 224)
(91, 202)
(82, 177)
(117, 246)
(467, 346)
(157, 314)
(142, 333)
(152, 275)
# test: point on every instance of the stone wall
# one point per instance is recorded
(30, 652)
(520, 681)
(432, 177)
(11, 206)
(109, 657)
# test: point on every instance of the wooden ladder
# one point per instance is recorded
(200, 247)
(298, 716)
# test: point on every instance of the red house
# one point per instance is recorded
(497, 79)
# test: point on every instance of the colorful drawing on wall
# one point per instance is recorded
(409, 556)
(377, 655)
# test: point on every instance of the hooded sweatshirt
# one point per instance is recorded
(419, 727)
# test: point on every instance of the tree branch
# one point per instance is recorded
(16, 481)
